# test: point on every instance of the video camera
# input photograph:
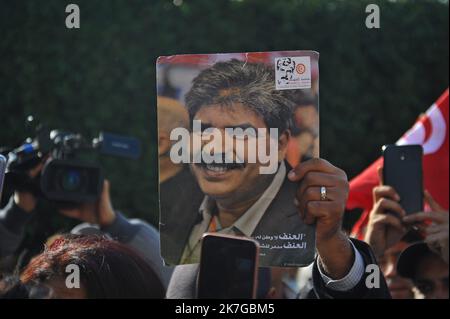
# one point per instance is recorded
(64, 177)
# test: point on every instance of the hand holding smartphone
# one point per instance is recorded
(228, 267)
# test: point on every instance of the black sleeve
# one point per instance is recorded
(360, 291)
(12, 227)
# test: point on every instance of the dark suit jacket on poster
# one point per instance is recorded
(180, 198)
(278, 227)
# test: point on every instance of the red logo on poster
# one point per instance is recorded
(300, 68)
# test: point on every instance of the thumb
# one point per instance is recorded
(105, 204)
(435, 207)
(380, 174)
(104, 197)
(105, 210)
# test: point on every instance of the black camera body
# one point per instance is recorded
(65, 178)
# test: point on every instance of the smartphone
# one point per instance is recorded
(228, 267)
(403, 171)
(2, 172)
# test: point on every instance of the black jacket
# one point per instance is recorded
(360, 291)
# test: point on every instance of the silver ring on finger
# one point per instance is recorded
(323, 193)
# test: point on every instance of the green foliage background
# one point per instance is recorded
(374, 83)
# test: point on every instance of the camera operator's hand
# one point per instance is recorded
(26, 200)
(437, 232)
(384, 228)
(333, 246)
(100, 212)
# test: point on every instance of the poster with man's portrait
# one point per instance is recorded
(230, 128)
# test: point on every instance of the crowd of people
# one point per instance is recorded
(119, 257)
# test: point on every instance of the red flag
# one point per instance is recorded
(431, 131)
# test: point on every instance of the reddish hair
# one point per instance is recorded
(108, 269)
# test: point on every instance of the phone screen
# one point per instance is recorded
(403, 171)
(227, 267)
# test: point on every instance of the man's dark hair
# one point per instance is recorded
(234, 81)
(302, 98)
(108, 269)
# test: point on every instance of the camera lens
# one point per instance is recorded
(71, 180)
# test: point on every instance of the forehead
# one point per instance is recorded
(60, 290)
(396, 249)
(222, 116)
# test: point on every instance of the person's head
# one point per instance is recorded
(306, 114)
(237, 94)
(307, 117)
(305, 141)
(399, 287)
(171, 114)
(106, 269)
(427, 269)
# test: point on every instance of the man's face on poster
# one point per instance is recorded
(286, 67)
(232, 180)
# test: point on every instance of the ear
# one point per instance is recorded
(163, 143)
(283, 142)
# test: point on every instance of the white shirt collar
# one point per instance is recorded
(247, 223)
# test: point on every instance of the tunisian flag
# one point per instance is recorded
(431, 131)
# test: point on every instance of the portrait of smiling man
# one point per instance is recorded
(243, 196)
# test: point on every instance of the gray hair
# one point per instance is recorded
(234, 81)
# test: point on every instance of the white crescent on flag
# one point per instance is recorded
(436, 134)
